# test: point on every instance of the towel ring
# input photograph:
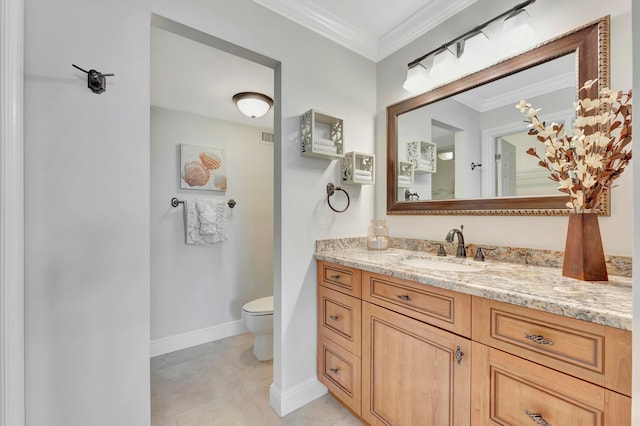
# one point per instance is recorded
(331, 189)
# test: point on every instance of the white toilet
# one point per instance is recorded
(258, 317)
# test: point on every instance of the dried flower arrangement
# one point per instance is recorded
(585, 160)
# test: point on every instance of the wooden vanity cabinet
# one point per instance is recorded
(398, 352)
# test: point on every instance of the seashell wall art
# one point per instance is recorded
(203, 167)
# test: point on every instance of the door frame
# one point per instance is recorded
(12, 397)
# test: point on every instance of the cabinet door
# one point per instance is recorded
(410, 371)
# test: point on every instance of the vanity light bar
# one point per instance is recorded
(459, 41)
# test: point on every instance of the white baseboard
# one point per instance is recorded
(284, 403)
(196, 337)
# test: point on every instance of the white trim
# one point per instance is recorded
(12, 398)
(328, 25)
(177, 342)
(284, 403)
(318, 19)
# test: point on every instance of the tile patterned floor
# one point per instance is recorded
(221, 383)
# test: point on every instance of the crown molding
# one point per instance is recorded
(427, 18)
(323, 22)
(326, 24)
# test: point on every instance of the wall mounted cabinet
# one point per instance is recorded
(358, 168)
(423, 156)
(405, 175)
(321, 135)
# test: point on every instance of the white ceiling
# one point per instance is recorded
(196, 78)
(371, 28)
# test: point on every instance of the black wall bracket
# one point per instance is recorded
(96, 81)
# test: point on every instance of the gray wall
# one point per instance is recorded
(195, 288)
(88, 198)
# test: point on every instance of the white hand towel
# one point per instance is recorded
(192, 225)
(358, 178)
(211, 214)
(404, 179)
(363, 173)
(324, 142)
(322, 148)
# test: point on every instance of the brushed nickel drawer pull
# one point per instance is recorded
(334, 317)
(537, 418)
(404, 297)
(459, 354)
(536, 338)
(334, 370)
(334, 277)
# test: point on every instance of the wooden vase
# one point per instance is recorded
(583, 253)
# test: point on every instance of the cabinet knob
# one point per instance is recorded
(536, 338)
(404, 297)
(334, 370)
(334, 277)
(334, 317)
(537, 418)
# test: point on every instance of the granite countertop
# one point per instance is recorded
(536, 287)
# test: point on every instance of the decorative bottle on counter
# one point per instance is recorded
(378, 235)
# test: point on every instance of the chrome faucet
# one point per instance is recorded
(460, 252)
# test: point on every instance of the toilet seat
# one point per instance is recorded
(262, 306)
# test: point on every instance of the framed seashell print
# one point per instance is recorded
(203, 167)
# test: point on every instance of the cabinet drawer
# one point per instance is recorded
(575, 347)
(508, 390)
(340, 278)
(339, 370)
(339, 318)
(443, 308)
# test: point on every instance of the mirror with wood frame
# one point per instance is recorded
(461, 148)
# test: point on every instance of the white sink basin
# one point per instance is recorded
(441, 265)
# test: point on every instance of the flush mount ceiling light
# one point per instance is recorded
(444, 57)
(446, 155)
(253, 104)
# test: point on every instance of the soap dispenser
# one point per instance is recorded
(378, 238)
